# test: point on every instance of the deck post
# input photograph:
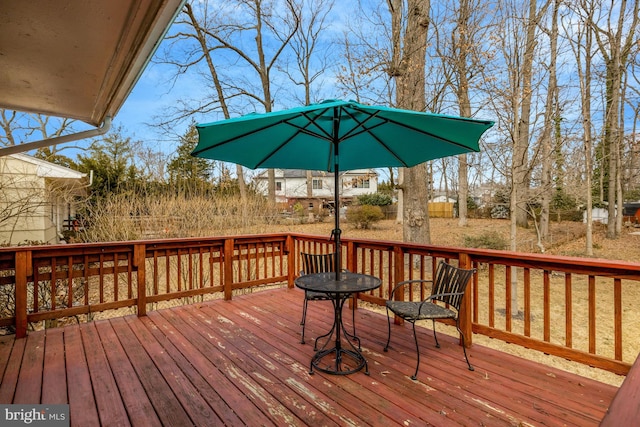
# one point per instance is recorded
(228, 268)
(139, 262)
(291, 262)
(23, 268)
(465, 315)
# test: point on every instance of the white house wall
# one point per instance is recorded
(27, 201)
(296, 187)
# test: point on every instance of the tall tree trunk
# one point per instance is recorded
(521, 175)
(615, 52)
(461, 47)
(408, 67)
(582, 49)
(550, 120)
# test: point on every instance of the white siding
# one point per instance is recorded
(28, 202)
(351, 184)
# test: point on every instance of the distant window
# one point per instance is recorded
(278, 185)
(360, 183)
(316, 184)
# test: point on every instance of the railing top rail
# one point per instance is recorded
(602, 267)
(521, 259)
(148, 242)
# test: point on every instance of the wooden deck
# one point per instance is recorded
(240, 362)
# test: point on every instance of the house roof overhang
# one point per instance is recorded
(50, 170)
(77, 59)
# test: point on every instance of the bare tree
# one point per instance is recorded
(616, 39)
(466, 56)
(580, 37)
(305, 42)
(200, 36)
(219, 40)
(551, 118)
(410, 23)
(311, 53)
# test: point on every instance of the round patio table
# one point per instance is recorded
(342, 360)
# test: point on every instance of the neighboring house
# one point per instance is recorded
(291, 185)
(36, 198)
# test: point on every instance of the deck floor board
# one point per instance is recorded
(241, 362)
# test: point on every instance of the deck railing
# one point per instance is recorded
(579, 309)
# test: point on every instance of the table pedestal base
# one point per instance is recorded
(342, 361)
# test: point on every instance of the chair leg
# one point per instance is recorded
(386, 347)
(464, 348)
(415, 337)
(434, 333)
(304, 318)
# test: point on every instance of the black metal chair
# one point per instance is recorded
(448, 288)
(318, 263)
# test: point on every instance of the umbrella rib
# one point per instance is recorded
(353, 132)
(300, 129)
(303, 129)
(413, 128)
(227, 141)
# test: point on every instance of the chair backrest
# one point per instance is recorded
(318, 263)
(452, 281)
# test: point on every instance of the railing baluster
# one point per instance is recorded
(492, 300)
(509, 271)
(129, 276)
(592, 314)
(53, 283)
(70, 281)
(85, 268)
(568, 303)
(167, 261)
(116, 290)
(617, 318)
(527, 301)
(547, 306)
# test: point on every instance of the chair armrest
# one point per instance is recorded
(407, 282)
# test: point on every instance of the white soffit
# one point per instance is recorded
(77, 58)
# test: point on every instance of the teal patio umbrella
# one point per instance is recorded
(336, 136)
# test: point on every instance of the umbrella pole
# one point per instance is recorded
(336, 179)
(337, 231)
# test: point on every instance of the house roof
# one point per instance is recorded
(77, 59)
(49, 170)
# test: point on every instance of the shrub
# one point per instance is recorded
(488, 240)
(363, 216)
(375, 199)
(500, 212)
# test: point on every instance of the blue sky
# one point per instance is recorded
(155, 91)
